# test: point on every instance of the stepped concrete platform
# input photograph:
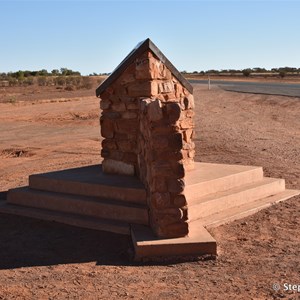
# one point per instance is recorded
(66, 218)
(90, 181)
(216, 194)
(83, 197)
(208, 178)
(78, 204)
(242, 211)
(86, 197)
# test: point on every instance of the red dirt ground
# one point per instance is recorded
(43, 260)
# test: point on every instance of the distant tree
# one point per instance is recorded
(43, 72)
(55, 72)
(69, 72)
(27, 73)
(212, 71)
(282, 73)
(247, 72)
(259, 70)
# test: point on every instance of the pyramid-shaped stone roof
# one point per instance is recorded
(135, 53)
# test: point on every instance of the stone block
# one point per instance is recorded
(166, 87)
(187, 135)
(107, 128)
(187, 123)
(130, 157)
(154, 111)
(143, 105)
(178, 90)
(119, 106)
(161, 168)
(160, 142)
(189, 164)
(151, 68)
(116, 155)
(159, 184)
(170, 97)
(166, 152)
(132, 105)
(191, 153)
(121, 90)
(160, 200)
(105, 104)
(129, 115)
(179, 201)
(128, 126)
(142, 69)
(188, 146)
(117, 167)
(105, 153)
(173, 112)
(110, 115)
(126, 78)
(109, 144)
(189, 102)
(179, 229)
(175, 141)
(141, 89)
(175, 186)
(189, 113)
(178, 169)
(126, 145)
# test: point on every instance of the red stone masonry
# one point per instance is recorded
(147, 124)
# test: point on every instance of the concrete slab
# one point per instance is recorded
(239, 212)
(209, 178)
(91, 181)
(217, 202)
(82, 205)
(146, 245)
(85, 197)
(66, 218)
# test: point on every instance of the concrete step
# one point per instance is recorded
(82, 205)
(66, 218)
(218, 202)
(147, 245)
(243, 211)
(91, 181)
(209, 178)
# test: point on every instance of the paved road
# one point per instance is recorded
(285, 89)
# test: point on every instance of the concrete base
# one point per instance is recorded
(147, 245)
(216, 194)
(87, 197)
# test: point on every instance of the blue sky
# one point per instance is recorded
(94, 36)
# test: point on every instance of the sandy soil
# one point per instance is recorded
(42, 260)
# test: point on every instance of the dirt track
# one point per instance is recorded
(40, 260)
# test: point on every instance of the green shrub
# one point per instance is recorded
(60, 80)
(87, 83)
(246, 72)
(42, 81)
(282, 74)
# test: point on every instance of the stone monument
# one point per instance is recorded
(148, 185)
(147, 122)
